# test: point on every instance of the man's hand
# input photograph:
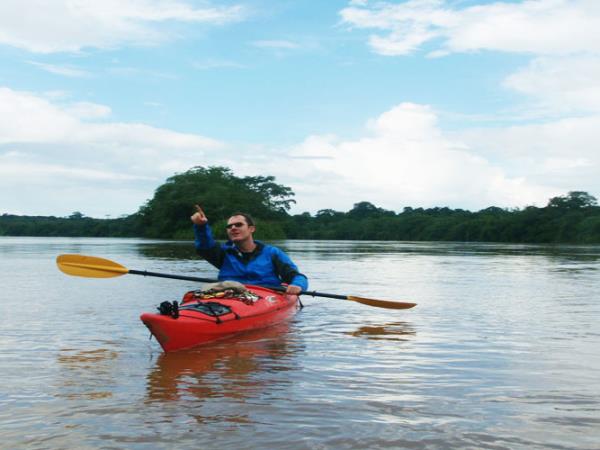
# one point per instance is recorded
(293, 290)
(199, 218)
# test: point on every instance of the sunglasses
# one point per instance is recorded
(235, 224)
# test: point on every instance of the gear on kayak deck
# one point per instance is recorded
(169, 309)
(197, 300)
(213, 309)
(223, 290)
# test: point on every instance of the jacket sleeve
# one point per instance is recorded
(287, 271)
(207, 247)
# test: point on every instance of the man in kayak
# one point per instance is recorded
(244, 259)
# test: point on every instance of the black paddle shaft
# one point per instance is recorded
(175, 277)
(210, 280)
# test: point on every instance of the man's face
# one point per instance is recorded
(238, 230)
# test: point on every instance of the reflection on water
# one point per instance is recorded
(85, 359)
(174, 251)
(234, 362)
(362, 249)
(236, 369)
(184, 250)
(86, 374)
(395, 331)
(501, 352)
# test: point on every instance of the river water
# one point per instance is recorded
(501, 352)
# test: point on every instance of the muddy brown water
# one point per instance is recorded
(501, 352)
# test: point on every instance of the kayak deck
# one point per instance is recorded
(202, 320)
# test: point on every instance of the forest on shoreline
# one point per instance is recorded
(573, 218)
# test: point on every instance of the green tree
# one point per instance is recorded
(573, 200)
(76, 215)
(220, 193)
(572, 218)
(362, 210)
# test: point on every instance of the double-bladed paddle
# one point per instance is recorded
(94, 267)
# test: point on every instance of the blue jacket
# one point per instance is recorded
(265, 266)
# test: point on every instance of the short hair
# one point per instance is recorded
(246, 216)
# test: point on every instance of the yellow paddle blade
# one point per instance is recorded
(381, 303)
(89, 266)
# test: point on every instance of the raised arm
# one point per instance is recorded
(204, 242)
(199, 218)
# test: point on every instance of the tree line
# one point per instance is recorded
(572, 218)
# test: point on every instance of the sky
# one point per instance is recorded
(421, 103)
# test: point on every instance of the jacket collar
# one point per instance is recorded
(231, 247)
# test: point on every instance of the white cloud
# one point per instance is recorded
(54, 157)
(276, 44)
(87, 110)
(546, 27)
(570, 138)
(25, 117)
(563, 36)
(69, 26)
(28, 118)
(405, 161)
(560, 153)
(54, 147)
(66, 71)
(135, 72)
(567, 84)
(15, 166)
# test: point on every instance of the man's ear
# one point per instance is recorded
(252, 228)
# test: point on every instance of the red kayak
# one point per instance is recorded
(202, 318)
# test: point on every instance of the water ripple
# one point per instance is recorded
(500, 353)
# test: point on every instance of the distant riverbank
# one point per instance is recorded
(550, 224)
(570, 219)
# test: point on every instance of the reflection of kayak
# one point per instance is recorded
(199, 320)
(232, 368)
